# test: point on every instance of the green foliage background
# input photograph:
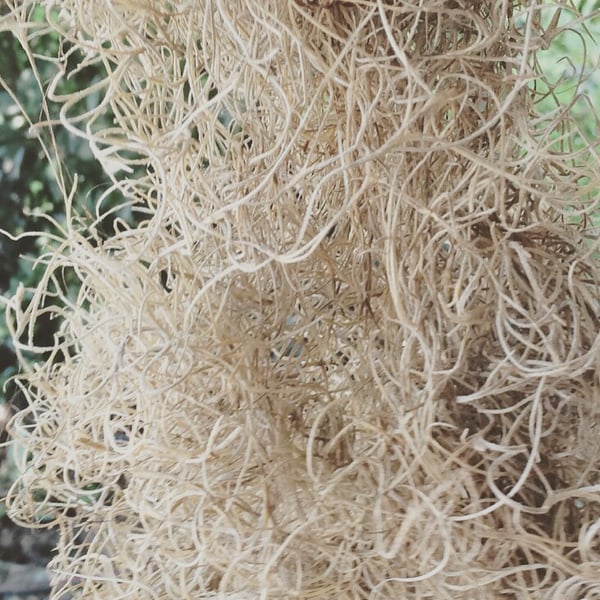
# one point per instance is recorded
(30, 199)
(572, 64)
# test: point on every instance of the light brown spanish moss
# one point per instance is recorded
(352, 348)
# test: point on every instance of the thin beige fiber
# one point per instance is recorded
(350, 347)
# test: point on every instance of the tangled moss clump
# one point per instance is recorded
(351, 350)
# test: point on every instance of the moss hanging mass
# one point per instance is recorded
(349, 346)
